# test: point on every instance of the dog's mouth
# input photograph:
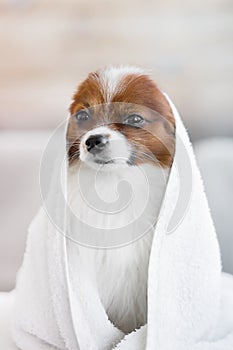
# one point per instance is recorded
(104, 162)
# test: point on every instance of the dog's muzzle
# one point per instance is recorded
(96, 143)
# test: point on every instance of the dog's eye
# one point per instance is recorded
(134, 119)
(81, 116)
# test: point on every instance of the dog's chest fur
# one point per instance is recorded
(119, 274)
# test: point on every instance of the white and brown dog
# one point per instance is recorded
(121, 127)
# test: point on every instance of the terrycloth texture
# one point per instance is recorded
(188, 298)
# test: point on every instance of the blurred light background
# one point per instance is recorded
(48, 47)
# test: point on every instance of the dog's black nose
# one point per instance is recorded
(96, 143)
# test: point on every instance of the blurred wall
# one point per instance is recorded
(48, 47)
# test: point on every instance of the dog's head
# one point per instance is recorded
(120, 117)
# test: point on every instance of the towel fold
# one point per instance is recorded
(190, 301)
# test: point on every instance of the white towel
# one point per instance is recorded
(190, 302)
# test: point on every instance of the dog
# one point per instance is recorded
(120, 137)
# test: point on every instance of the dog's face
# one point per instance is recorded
(119, 117)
